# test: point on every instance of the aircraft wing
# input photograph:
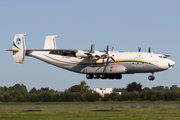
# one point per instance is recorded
(54, 51)
(60, 50)
(64, 52)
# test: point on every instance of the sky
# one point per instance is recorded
(78, 24)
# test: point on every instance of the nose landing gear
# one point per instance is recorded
(151, 77)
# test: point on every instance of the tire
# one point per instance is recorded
(89, 76)
(151, 78)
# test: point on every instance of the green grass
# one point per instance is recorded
(89, 116)
(97, 102)
(130, 110)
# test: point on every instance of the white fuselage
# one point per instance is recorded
(132, 62)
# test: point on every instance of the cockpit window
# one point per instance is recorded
(162, 56)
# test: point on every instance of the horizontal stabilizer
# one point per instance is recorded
(50, 42)
(15, 50)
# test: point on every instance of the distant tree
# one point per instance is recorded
(1, 90)
(6, 97)
(19, 88)
(168, 96)
(157, 96)
(84, 87)
(134, 87)
(158, 88)
(26, 97)
(5, 88)
(67, 97)
(1, 98)
(34, 98)
(147, 95)
(93, 97)
(174, 88)
(33, 90)
(171, 95)
(124, 96)
(45, 89)
(71, 97)
(21, 97)
(134, 95)
(146, 89)
(106, 97)
(114, 96)
(53, 91)
(78, 97)
(56, 97)
(45, 96)
(166, 89)
(118, 89)
(75, 88)
(84, 97)
(16, 89)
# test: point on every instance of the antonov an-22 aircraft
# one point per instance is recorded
(95, 64)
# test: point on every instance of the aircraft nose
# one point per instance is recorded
(171, 64)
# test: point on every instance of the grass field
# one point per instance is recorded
(130, 110)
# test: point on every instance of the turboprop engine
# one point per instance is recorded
(81, 54)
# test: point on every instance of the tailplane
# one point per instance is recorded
(50, 42)
(19, 48)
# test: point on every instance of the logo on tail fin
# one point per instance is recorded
(18, 41)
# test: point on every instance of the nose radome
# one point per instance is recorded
(172, 63)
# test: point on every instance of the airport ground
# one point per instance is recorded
(129, 110)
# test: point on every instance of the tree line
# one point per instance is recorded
(81, 92)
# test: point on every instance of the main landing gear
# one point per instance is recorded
(103, 76)
(151, 77)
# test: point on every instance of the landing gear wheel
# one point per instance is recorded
(103, 76)
(111, 76)
(89, 76)
(118, 76)
(151, 77)
(95, 76)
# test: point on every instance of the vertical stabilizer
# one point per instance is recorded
(50, 42)
(19, 48)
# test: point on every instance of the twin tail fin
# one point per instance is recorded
(19, 48)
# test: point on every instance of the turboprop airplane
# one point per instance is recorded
(95, 64)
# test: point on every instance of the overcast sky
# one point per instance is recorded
(78, 23)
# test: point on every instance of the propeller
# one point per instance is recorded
(91, 55)
(91, 50)
(149, 50)
(139, 49)
(107, 55)
(94, 56)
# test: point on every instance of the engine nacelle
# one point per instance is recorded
(118, 69)
(81, 54)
